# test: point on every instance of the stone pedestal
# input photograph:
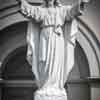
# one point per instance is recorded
(50, 94)
(45, 97)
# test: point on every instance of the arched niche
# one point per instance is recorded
(15, 36)
(17, 57)
(86, 41)
(90, 46)
(86, 37)
(15, 67)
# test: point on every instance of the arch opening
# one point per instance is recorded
(14, 70)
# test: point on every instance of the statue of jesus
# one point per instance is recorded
(51, 55)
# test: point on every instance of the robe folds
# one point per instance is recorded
(33, 39)
(51, 44)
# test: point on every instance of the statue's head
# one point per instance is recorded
(55, 2)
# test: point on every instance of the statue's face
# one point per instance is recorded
(49, 0)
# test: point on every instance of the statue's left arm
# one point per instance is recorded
(70, 12)
(77, 9)
(30, 11)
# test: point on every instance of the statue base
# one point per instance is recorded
(45, 97)
(51, 94)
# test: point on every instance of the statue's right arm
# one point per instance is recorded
(30, 11)
(21, 1)
(26, 8)
(78, 8)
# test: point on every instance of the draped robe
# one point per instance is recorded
(51, 44)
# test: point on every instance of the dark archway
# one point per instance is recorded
(17, 66)
(78, 87)
(18, 69)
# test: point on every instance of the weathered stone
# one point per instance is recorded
(47, 97)
(51, 94)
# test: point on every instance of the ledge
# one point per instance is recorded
(32, 83)
(18, 83)
(93, 80)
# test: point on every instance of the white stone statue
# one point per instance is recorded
(51, 44)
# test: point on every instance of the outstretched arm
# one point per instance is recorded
(78, 8)
(30, 11)
(25, 7)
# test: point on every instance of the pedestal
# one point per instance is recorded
(45, 97)
(50, 94)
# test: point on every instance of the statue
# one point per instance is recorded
(51, 44)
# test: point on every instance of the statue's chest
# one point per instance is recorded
(52, 16)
